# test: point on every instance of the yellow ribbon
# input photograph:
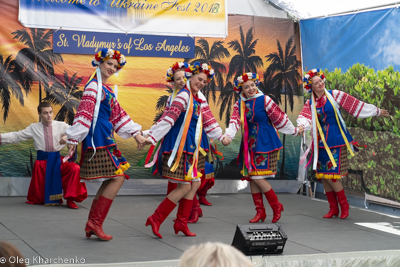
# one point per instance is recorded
(341, 131)
(242, 113)
(321, 134)
(323, 137)
(185, 132)
(196, 153)
(203, 152)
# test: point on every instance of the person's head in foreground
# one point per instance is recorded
(10, 255)
(213, 254)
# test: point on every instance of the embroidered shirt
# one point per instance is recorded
(45, 137)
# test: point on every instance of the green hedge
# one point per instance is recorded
(381, 89)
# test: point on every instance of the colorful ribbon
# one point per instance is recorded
(340, 127)
(316, 125)
(245, 133)
(183, 132)
(97, 107)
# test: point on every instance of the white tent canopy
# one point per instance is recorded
(304, 9)
(258, 8)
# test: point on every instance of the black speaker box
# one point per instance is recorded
(259, 239)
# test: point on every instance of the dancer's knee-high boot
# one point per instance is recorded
(258, 202)
(92, 208)
(185, 206)
(202, 196)
(98, 213)
(333, 205)
(344, 205)
(161, 213)
(202, 191)
(196, 211)
(171, 187)
(273, 201)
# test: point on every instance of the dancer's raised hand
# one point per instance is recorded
(384, 113)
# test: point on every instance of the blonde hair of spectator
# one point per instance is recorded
(8, 251)
(213, 254)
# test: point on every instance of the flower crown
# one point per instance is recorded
(106, 54)
(171, 71)
(244, 78)
(307, 80)
(198, 68)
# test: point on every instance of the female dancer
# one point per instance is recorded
(322, 114)
(180, 156)
(99, 115)
(259, 116)
(176, 77)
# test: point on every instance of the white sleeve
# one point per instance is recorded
(355, 107)
(305, 117)
(162, 117)
(16, 137)
(164, 125)
(210, 124)
(122, 123)
(234, 122)
(279, 118)
(84, 115)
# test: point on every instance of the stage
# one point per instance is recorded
(58, 232)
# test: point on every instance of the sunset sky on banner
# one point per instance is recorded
(141, 83)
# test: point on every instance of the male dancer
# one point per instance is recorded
(49, 175)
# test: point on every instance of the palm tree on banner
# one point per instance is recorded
(9, 79)
(268, 87)
(284, 66)
(38, 57)
(245, 60)
(205, 54)
(226, 100)
(67, 95)
(162, 103)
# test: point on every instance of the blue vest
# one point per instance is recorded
(103, 133)
(170, 137)
(329, 125)
(263, 137)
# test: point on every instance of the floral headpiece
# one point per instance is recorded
(106, 54)
(198, 68)
(307, 80)
(171, 71)
(244, 78)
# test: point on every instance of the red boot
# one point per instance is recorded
(92, 208)
(202, 192)
(161, 213)
(333, 205)
(258, 202)
(71, 204)
(171, 187)
(94, 226)
(344, 205)
(196, 211)
(275, 205)
(185, 206)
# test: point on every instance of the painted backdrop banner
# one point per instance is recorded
(361, 56)
(142, 89)
(89, 43)
(207, 18)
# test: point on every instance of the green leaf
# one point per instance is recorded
(388, 147)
